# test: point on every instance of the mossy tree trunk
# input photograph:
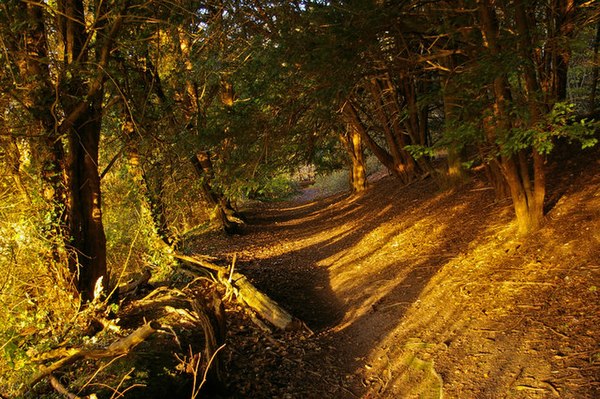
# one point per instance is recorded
(37, 96)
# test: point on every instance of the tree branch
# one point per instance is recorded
(119, 347)
(96, 84)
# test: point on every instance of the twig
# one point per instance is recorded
(549, 328)
(212, 358)
(196, 364)
(232, 266)
(89, 381)
(60, 388)
(116, 390)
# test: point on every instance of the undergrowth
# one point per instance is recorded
(39, 309)
(338, 181)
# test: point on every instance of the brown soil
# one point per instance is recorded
(414, 292)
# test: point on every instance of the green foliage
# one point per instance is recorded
(560, 122)
(457, 136)
(132, 240)
(280, 187)
(420, 151)
(334, 182)
(581, 68)
(329, 156)
(37, 308)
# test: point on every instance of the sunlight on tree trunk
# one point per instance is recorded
(89, 241)
(455, 173)
(528, 198)
(352, 141)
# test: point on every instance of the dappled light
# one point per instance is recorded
(299, 199)
(440, 294)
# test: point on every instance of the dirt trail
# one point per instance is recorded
(414, 292)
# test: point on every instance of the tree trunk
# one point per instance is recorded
(151, 184)
(81, 96)
(352, 141)
(407, 135)
(266, 308)
(564, 12)
(158, 210)
(455, 173)
(537, 193)
(223, 215)
(89, 241)
(527, 200)
(529, 210)
(353, 119)
(596, 67)
(404, 165)
(47, 149)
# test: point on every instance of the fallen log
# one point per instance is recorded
(246, 293)
(196, 321)
(200, 262)
(265, 307)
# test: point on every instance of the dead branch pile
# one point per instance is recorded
(246, 293)
(177, 352)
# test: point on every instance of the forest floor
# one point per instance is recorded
(417, 292)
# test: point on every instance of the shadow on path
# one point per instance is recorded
(350, 267)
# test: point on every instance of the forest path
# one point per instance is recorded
(411, 289)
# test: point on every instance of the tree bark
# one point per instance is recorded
(527, 200)
(596, 67)
(351, 116)
(82, 102)
(388, 115)
(352, 142)
(266, 308)
(564, 12)
(537, 193)
(38, 94)
(223, 215)
(89, 241)
(455, 172)
(117, 348)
